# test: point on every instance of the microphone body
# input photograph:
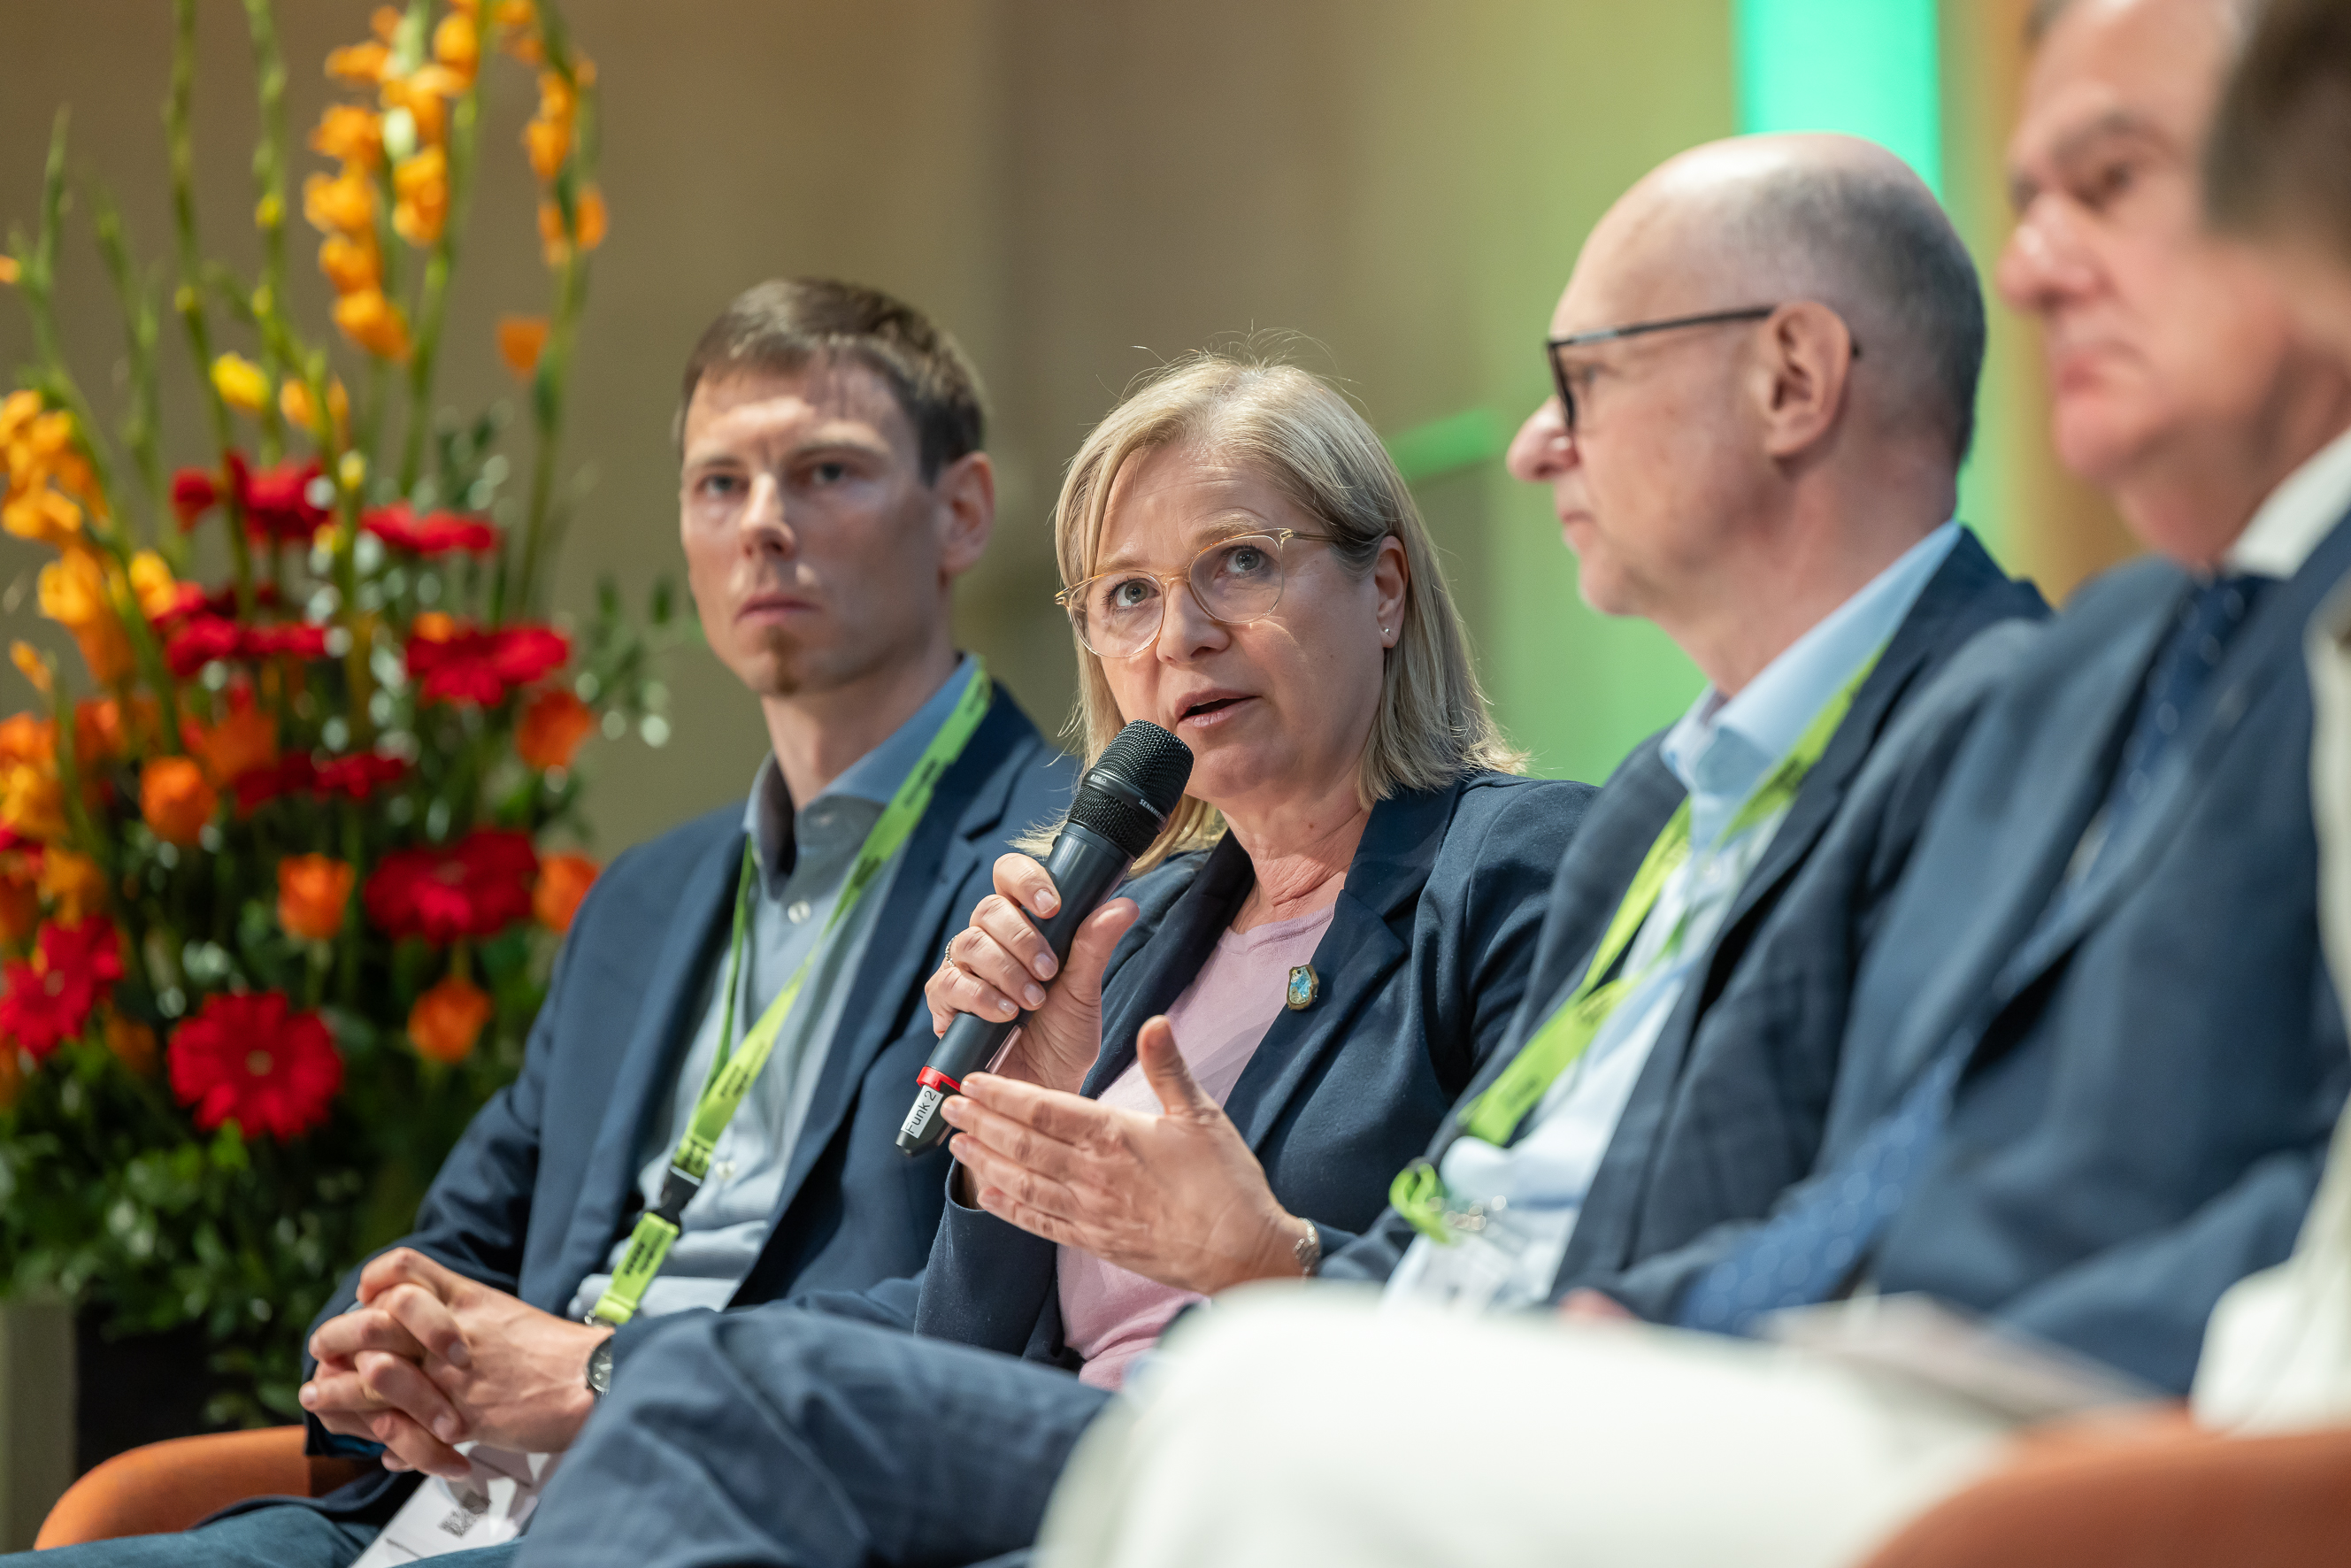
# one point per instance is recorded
(1121, 804)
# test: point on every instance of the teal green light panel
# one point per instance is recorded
(1867, 67)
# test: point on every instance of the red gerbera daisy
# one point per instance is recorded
(436, 533)
(277, 503)
(477, 888)
(47, 1000)
(243, 1056)
(481, 666)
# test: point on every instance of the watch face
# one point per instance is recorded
(599, 1369)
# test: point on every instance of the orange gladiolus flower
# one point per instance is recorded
(344, 204)
(293, 403)
(593, 218)
(44, 515)
(457, 44)
(553, 725)
(8, 271)
(350, 134)
(32, 666)
(350, 264)
(74, 883)
(362, 64)
(176, 798)
(420, 186)
(243, 742)
(374, 323)
(31, 801)
(563, 882)
(522, 339)
(98, 731)
(29, 740)
(313, 893)
(547, 143)
(447, 1019)
(74, 593)
(132, 1042)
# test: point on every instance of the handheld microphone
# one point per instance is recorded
(1121, 804)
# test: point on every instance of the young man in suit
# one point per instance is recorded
(1733, 469)
(2094, 1057)
(832, 489)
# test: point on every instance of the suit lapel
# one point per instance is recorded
(1168, 960)
(907, 933)
(666, 1023)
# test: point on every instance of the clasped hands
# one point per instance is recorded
(1177, 1197)
(429, 1359)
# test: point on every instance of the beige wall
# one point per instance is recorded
(1076, 189)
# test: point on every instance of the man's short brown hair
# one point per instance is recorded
(785, 324)
(2277, 158)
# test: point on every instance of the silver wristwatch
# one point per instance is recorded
(1308, 1250)
(599, 1367)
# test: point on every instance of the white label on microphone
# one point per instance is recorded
(926, 1106)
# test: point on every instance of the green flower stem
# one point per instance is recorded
(38, 283)
(142, 429)
(189, 299)
(347, 980)
(432, 292)
(269, 186)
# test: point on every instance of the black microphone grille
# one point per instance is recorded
(1127, 794)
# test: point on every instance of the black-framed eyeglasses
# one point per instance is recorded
(1235, 581)
(1565, 388)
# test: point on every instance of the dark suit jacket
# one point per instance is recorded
(2154, 1067)
(544, 1180)
(1729, 1104)
(1422, 969)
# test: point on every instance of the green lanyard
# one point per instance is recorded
(1418, 1192)
(733, 1071)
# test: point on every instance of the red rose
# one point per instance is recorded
(194, 492)
(476, 888)
(277, 500)
(243, 1056)
(481, 667)
(438, 533)
(47, 1000)
(199, 641)
(357, 777)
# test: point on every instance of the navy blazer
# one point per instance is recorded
(1422, 969)
(544, 1180)
(2154, 1068)
(1729, 1103)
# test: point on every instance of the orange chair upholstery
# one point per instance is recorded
(2167, 1497)
(170, 1486)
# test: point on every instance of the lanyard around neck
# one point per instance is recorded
(1417, 1192)
(736, 1067)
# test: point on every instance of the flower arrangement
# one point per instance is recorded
(276, 895)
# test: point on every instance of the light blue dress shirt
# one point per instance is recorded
(803, 860)
(1722, 749)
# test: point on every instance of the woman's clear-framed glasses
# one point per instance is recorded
(1235, 581)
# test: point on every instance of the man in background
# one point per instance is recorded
(832, 489)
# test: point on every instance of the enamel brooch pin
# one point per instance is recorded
(1305, 985)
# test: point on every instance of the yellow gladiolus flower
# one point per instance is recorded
(420, 186)
(44, 515)
(350, 263)
(240, 383)
(374, 323)
(522, 339)
(9, 272)
(17, 412)
(152, 585)
(32, 802)
(74, 593)
(350, 134)
(344, 204)
(362, 64)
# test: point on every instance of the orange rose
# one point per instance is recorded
(133, 1043)
(313, 891)
(563, 882)
(448, 1018)
(245, 740)
(176, 798)
(552, 726)
(74, 881)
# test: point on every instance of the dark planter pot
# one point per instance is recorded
(140, 1388)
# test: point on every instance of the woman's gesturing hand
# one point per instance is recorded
(1177, 1197)
(999, 965)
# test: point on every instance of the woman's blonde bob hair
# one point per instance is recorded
(1292, 428)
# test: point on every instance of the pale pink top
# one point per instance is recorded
(1110, 1316)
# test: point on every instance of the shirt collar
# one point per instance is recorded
(2298, 514)
(1722, 748)
(876, 777)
